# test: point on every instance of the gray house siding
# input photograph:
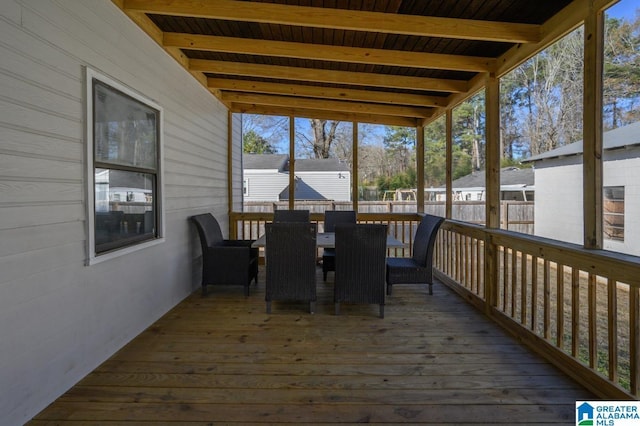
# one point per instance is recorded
(59, 319)
(558, 181)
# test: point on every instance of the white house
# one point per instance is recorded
(558, 177)
(515, 184)
(64, 309)
(266, 178)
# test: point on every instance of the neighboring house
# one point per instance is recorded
(266, 178)
(558, 174)
(515, 184)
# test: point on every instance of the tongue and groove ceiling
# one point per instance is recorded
(397, 62)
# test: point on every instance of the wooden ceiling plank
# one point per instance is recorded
(152, 30)
(323, 114)
(347, 94)
(328, 76)
(343, 19)
(324, 104)
(328, 53)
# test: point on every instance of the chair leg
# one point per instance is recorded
(246, 289)
(389, 290)
(382, 310)
(312, 307)
(268, 307)
(337, 308)
(324, 275)
(431, 288)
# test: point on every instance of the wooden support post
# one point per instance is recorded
(354, 167)
(292, 162)
(420, 168)
(449, 164)
(592, 125)
(492, 187)
(232, 226)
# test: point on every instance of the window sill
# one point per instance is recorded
(94, 260)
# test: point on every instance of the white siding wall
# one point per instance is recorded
(59, 319)
(621, 168)
(558, 206)
(265, 185)
(329, 184)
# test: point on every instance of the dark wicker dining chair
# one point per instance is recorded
(291, 216)
(331, 218)
(360, 264)
(417, 269)
(224, 262)
(290, 257)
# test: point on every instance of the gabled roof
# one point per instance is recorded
(265, 161)
(280, 162)
(397, 62)
(321, 165)
(509, 176)
(613, 139)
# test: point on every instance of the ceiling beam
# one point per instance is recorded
(321, 92)
(341, 19)
(328, 76)
(323, 52)
(323, 104)
(323, 114)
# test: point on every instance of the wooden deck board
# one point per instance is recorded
(222, 359)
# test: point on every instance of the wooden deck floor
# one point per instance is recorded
(221, 359)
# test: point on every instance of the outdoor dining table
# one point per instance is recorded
(328, 240)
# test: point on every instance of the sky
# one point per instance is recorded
(624, 9)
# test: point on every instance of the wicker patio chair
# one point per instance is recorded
(290, 256)
(417, 269)
(331, 218)
(224, 262)
(291, 216)
(360, 264)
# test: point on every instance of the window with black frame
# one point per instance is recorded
(126, 168)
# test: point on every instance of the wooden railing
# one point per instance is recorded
(578, 308)
(250, 225)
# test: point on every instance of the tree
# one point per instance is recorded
(621, 72)
(321, 140)
(468, 130)
(400, 144)
(252, 143)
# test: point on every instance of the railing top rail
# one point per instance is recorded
(618, 266)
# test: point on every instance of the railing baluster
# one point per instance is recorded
(514, 279)
(612, 329)
(505, 277)
(534, 293)
(593, 323)
(547, 300)
(523, 288)
(634, 339)
(560, 306)
(575, 311)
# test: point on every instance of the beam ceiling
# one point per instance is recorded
(396, 62)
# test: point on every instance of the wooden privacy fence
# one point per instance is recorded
(515, 215)
(578, 308)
